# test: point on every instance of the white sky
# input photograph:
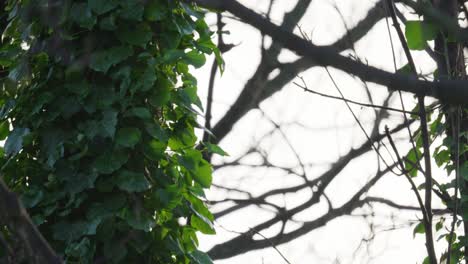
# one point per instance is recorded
(332, 133)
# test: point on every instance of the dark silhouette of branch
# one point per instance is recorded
(450, 91)
(245, 242)
(259, 88)
(17, 219)
(427, 209)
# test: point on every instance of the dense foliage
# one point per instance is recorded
(98, 116)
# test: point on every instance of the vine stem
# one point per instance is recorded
(425, 141)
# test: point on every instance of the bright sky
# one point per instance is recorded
(330, 132)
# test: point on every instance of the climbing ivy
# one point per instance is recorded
(98, 111)
(448, 131)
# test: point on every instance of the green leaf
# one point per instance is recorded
(411, 161)
(191, 159)
(83, 250)
(419, 229)
(110, 161)
(202, 224)
(138, 35)
(155, 11)
(212, 148)
(32, 197)
(406, 69)
(108, 23)
(102, 60)
(4, 129)
(195, 58)
(154, 150)
(199, 257)
(169, 197)
(65, 231)
(81, 14)
(131, 10)
(161, 96)
(115, 251)
(132, 181)
(199, 207)
(109, 122)
(156, 131)
(140, 112)
(102, 6)
(111, 206)
(418, 33)
(14, 142)
(146, 80)
(128, 137)
(138, 219)
(202, 175)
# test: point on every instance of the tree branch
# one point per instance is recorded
(451, 91)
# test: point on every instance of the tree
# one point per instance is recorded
(445, 118)
(97, 109)
(116, 148)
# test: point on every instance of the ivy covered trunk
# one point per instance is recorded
(453, 153)
(98, 112)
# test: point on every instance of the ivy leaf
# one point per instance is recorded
(110, 162)
(212, 148)
(115, 251)
(132, 181)
(419, 229)
(131, 10)
(4, 129)
(102, 6)
(162, 95)
(156, 131)
(102, 60)
(154, 11)
(65, 231)
(202, 224)
(140, 112)
(169, 197)
(81, 14)
(83, 250)
(108, 23)
(128, 137)
(191, 159)
(138, 35)
(406, 69)
(146, 80)
(202, 175)
(418, 33)
(32, 197)
(199, 257)
(14, 142)
(138, 219)
(411, 161)
(154, 150)
(111, 205)
(109, 122)
(195, 58)
(80, 182)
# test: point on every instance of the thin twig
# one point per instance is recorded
(359, 123)
(306, 89)
(410, 180)
(425, 141)
(260, 234)
(456, 135)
